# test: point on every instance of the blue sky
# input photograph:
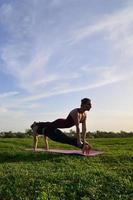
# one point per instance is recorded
(53, 53)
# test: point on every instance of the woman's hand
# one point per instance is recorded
(86, 148)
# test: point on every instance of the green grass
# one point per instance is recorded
(44, 176)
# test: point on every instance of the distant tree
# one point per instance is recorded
(28, 132)
(9, 134)
(72, 132)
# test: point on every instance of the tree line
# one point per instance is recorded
(95, 134)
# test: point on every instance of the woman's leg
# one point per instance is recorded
(46, 145)
(58, 136)
(35, 138)
(35, 142)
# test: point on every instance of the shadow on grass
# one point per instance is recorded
(9, 157)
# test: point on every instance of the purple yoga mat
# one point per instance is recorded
(64, 151)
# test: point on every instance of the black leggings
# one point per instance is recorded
(48, 129)
(58, 136)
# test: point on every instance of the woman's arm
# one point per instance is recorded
(76, 117)
(78, 133)
(79, 142)
(84, 130)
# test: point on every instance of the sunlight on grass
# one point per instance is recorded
(43, 176)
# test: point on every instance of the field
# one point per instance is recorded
(44, 176)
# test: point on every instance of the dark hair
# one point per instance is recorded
(85, 100)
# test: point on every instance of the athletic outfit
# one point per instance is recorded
(50, 129)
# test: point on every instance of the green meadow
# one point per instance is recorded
(25, 175)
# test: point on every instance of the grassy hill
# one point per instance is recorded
(43, 176)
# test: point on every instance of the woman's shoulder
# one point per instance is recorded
(75, 110)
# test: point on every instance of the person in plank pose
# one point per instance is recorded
(51, 129)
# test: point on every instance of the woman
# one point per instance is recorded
(75, 117)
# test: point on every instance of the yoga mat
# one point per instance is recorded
(69, 152)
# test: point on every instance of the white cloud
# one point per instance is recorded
(56, 77)
(28, 61)
(112, 26)
(67, 88)
(8, 94)
(116, 30)
(37, 55)
(3, 110)
(55, 2)
(5, 12)
(27, 72)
